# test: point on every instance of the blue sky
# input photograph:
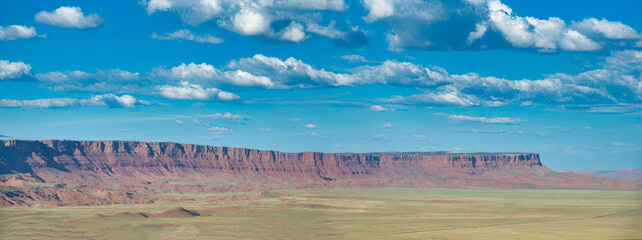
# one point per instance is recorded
(562, 78)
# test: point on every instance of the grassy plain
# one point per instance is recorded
(346, 213)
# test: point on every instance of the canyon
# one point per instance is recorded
(65, 172)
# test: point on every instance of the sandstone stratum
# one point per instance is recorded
(64, 172)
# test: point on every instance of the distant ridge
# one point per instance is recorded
(449, 153)
(625, 173)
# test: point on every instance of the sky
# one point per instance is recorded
(559, 78)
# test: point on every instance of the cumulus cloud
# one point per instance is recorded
(291, 72)
(206, 74)
(104, 100)
(378, 9)
(529, 32)
(292, 33)
(486, 24)
(13, 70)
(616, 81)
(450, 97)
(189, 91)
(311, 126)
(241, 78)
(253, 17)
(69, 17)
(495, 120)
(250, 22)
(14, 32)
(603, 28)
(185, 34)
(192, 72)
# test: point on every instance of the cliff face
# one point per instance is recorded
(107, 172)
(131, 159)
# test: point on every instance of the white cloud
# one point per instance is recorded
(495, 120)
(185, 34)
(378, 9)
(13, 70)
(291, 72)
(250, 22)
(189, 91)
(354, 58)
(378, 108)
(252, 17)
(191, 72)
(575, 41)
(191, 12)
(480, 30)
(69, 17)
(105, 100)
(111, 80)
(265, 129)
(464, 24)
(605, 29)
(242, 78)
(220, 129)
(617, 81)
(226, 117)
(529, 32)
(311, 126)
(292, 33)
(110, 100)
(14, 32)
(206, 74)
(335, 5)
(179, 121)
(330, 31)
(388, 125)
(486, 131)
(40, 103)
(451, 97)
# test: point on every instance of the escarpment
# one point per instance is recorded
(112, 171)
(184, 160)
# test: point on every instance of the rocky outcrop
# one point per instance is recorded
(165, 166)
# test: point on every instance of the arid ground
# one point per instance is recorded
(344, 213)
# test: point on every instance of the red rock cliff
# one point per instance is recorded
(185, 160)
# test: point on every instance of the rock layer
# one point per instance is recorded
(120, 158)
(168, 167)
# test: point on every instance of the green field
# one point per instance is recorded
(346, 213)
